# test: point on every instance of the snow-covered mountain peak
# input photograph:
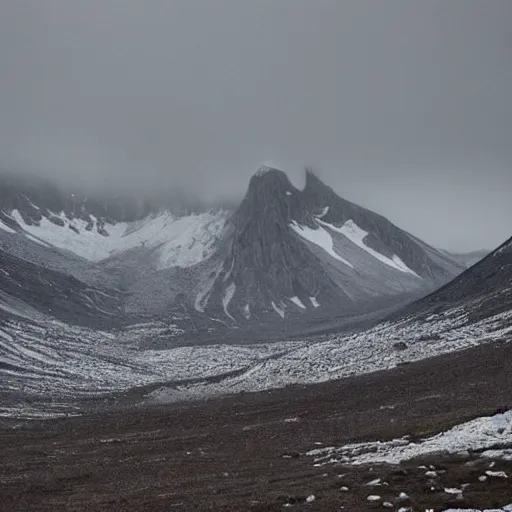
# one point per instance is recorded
(283, 253)
(97, 229)
(180, 241)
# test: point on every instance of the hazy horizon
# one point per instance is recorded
(401, 106)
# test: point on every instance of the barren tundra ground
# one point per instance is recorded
(247, 451)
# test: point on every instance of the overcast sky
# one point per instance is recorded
(403, 106)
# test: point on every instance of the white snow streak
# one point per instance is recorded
(314, 302)
(278, 310)
(5, 227)
(203, 294)
(297, 302)
(319, 237)
(357, 235)
(228, 295)
(323, 214)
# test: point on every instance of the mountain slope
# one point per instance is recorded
(480, 292)
(381, 235)
(34, 292)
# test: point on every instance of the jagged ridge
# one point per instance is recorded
(282, 254)
(277, 261)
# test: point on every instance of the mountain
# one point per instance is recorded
(290, 250)
(482, 291)
(468, 259)
(283, 259)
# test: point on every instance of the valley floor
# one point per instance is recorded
(247, 452)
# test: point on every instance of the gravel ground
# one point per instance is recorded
(248, 451)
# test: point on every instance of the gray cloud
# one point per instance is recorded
(404, 106)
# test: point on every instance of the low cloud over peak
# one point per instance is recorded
(403, 106)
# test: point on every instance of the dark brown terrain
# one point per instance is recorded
(239, 454)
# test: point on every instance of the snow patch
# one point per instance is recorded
(357, 235)
(5, 227)
(314, 302)
(38, 241)
(204, 293)
(323, 214)
(179, 241)
(297, 302)
(480, 433)
(228, 295)
(319, 237)
(30, 202)
(279, 311)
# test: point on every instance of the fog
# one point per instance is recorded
(402, 106)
